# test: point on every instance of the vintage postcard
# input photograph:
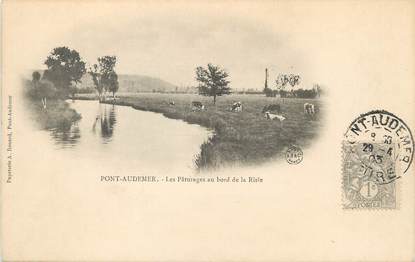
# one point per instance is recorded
(207, 130)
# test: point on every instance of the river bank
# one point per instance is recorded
(46, 108)
(57, 115)
(243, 138)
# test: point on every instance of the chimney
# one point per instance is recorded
(266, 78)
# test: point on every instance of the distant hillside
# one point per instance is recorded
(132, 83)
(135, 83)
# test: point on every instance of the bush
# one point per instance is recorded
(58, 114)
(270, 93)
(46, 89)
(299, 93)
(41, 89)
(85, 90)
(305, 93)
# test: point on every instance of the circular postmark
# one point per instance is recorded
(382, 127)
(294, 155)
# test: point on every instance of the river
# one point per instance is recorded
(122, 140)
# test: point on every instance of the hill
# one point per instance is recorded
(135, 83)
(131, 83)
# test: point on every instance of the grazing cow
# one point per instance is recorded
(309, 109)
(271, 116)
(197, 106)
(273, 108)
(236, 107)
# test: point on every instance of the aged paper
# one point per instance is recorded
(208, 131)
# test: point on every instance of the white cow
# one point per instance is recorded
(271, 116)
(309, 109)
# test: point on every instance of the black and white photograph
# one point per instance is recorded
(222, 130)
(166, 94)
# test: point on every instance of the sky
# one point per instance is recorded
(169, 39)
(172, 47)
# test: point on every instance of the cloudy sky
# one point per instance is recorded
(172, 47)
(166, 41)
(170, 39)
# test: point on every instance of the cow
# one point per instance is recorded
(171, 103)
(273, 108)
(236, 107)
(309, 109)
(197, 106)
(271, 116)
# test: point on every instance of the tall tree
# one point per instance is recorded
(284, 79)
(104, 76)
(36, 77)
(65, 67)
(42, 89)
(96, 78)
(46, 89)
(213, 81)
(112, 83)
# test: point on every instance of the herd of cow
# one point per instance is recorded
(271, 112)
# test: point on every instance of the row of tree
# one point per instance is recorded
(65, 68)
(213, 81)
(300, 93)
(286, 80)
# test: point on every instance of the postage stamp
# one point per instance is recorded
(369, 176)
(377, 151)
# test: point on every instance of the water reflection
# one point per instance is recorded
(107, 118)
(66, 136)
(104, 122)
(115, 138)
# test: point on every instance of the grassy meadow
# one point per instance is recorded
(245, 137)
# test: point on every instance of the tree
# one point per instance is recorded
(212, 81)
(36, 77)
(284, 79)
(42, 89)
(45, 89)
(305, 93)
(112, 82)
(104, 76)
(65, 67)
